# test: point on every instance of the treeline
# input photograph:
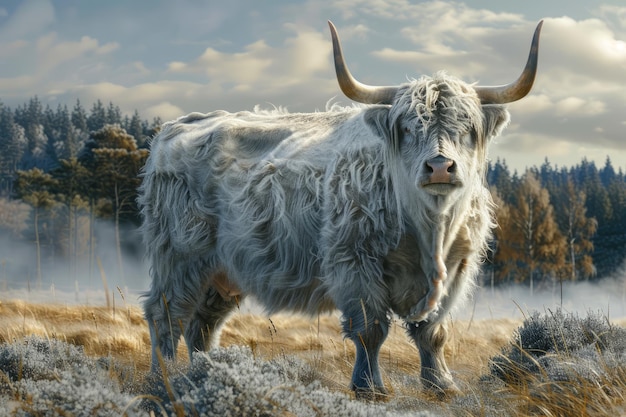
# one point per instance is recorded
(62, 171)
(32, 136)
(557, 224)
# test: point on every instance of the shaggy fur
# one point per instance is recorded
(317, 211)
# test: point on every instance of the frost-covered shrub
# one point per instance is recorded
(562, 347)
(40, 377)
(37, 358)
(231, 382)
(50, 378)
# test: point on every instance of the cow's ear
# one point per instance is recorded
(376, 119)
(495, 119)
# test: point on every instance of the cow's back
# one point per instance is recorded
(244, 192)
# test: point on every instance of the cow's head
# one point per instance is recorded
(441, 124)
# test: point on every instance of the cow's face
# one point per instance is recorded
(442, 135)
(438, 123)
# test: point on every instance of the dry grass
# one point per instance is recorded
(122, 334)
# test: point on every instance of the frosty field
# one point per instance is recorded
(61, 359)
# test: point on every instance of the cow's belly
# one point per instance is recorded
(268, 239)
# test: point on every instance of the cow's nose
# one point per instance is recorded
(440, 169)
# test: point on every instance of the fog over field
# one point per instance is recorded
(62, 278)
(61, 284)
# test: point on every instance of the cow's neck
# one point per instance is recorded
(435, 227)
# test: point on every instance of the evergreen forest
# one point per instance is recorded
(62, 171)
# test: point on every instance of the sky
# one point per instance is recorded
(169, 58)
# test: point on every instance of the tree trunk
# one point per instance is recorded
(117, 235)
(38, 245)
(91, 236)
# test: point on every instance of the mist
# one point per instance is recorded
(66, 279)
(607, 295)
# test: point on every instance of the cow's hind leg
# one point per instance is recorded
(170, 303)
(430, 339)
(166, 317)
(368, 332)
(211, 313)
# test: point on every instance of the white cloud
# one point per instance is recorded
(308, 52)
(576, 106)
(260, 66)
(614, 16)
(165, 110)
(221, 67)
(587, 48)
(16, 85)
(52, 52)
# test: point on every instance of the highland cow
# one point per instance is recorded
(374, 210)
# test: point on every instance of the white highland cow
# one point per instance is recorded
(372, 210)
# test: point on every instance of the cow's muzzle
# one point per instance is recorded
(440, 175)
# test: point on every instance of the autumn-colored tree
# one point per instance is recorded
(501, 255)
(34, 187)
(538, 247)
(578, 230)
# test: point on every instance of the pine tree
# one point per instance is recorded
(79, 118)
(97, 118)
(72, 189)
(31, 118)
(135, 128)
(598, 202)
(13, 145)
(116, 161)
(499, 176)
(607, 174)
(113, 115)
(34, 187)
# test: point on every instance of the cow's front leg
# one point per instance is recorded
(368, 331)
(430, 339)
(203, 331)
(165, 317)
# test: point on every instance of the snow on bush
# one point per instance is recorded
(231, 382)
(50, 378)
(560, 347)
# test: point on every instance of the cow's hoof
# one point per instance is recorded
(442, 391)
(371, 394)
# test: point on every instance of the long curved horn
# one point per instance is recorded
(519, 88)
(352, 88)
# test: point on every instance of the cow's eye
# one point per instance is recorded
(467, 139)
(407, 134)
